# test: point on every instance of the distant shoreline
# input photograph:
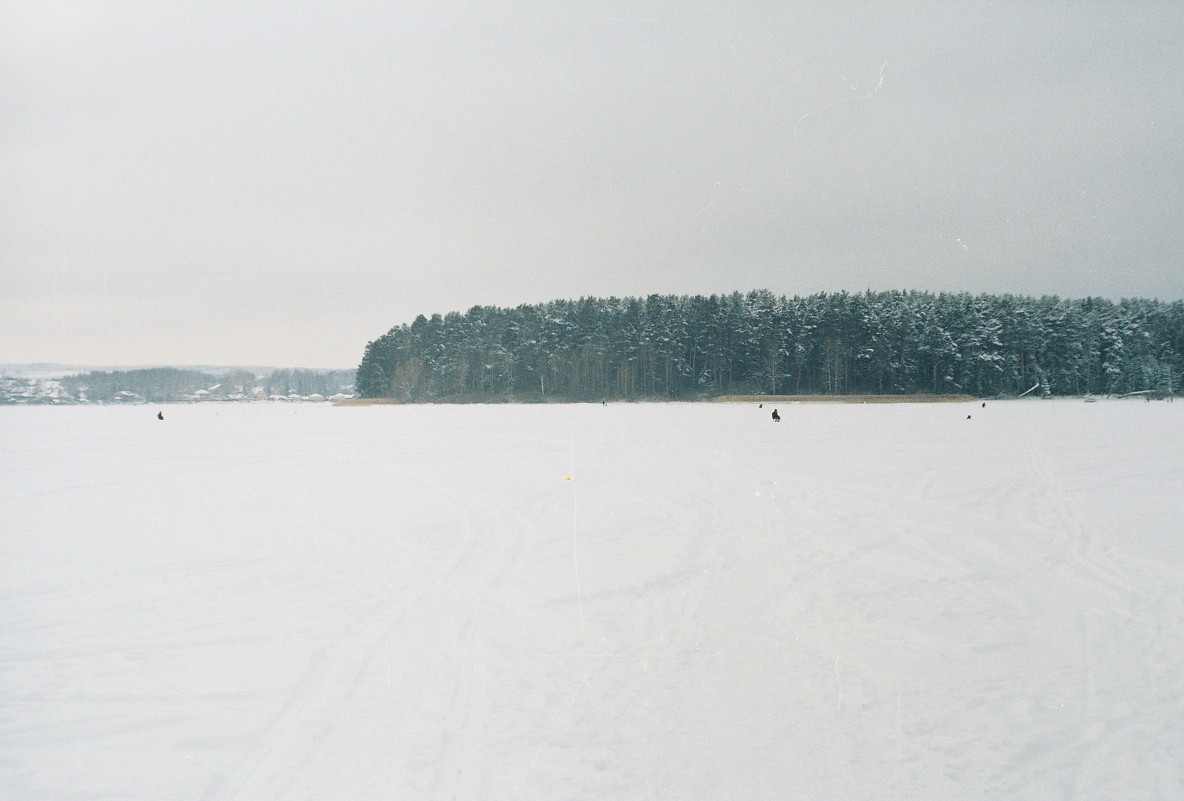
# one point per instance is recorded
(844, 399)
(721, 399)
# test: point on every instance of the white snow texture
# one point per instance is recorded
(633, 601)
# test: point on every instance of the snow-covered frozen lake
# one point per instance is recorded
(593, 602)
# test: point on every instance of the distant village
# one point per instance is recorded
(173, 385)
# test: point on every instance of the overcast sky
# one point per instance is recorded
(279, 183)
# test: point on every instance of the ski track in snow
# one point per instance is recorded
(863, 602)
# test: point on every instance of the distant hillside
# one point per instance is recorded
(171, 384)
(673, 347)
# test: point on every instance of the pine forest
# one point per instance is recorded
(698, 348)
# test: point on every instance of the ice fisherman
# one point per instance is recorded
(776, 417)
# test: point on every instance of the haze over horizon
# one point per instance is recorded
(187, 184)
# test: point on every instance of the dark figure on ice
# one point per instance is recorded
(160, 415)
(776, 417)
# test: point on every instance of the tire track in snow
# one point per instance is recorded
(1105, 727)
(462, 768)
(480, 562)
(289, 740)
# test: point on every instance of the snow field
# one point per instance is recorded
(861, 602)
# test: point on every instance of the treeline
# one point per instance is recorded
(157, 384)
(169, 384)
(680, 347)
(307, 382)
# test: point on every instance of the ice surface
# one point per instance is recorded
(861, 602)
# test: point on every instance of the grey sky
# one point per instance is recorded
(278, 183)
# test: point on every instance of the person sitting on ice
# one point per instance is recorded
(776, 417)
